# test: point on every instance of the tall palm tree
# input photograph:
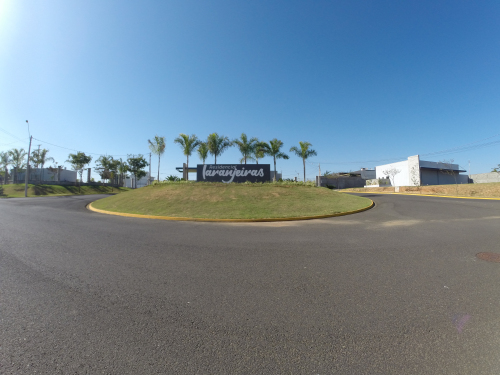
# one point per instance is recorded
(203, 151)
(217, 144)
(273, 148)
(259, 151)
(5, 161)
(40, 157)
(18, 161)
(246, 146)
(188, 144)
(304, 152)
(158, 148)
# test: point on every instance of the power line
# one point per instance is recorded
(453, 150)
(72, 149)
(8, 144)
(13, 136)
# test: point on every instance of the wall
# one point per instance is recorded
(436, 177)
(402, 178)
(482, 178)
(35, 173)
(140, 183)
(414, 176)
(342, 182)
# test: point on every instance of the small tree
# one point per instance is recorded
(157, 147)
(217, 144)
(188, 144)
(18, 160)
(496, 169)
(107, 167)
(391, 173)
(5, 161)
(448, 170)
(39, 158)
(136, 165)
(53, 170)
(415, 177)
(203, 151)
(78, 161)
(122, 170)
(274, 149)
(304, 152)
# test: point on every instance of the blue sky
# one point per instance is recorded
(366, 82)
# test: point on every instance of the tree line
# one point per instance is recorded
(111, 169)
(250, 148)
(108, 168)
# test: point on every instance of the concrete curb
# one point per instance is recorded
(89, 207)
(419, 195)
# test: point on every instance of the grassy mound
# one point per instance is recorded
(231, 201)
(17, 190)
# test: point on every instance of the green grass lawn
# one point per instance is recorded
(231, 201)
(17, 190)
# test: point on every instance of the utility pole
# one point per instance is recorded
(27, 170)
(149, 177)
(319, 174)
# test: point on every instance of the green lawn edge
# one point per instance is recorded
(17, 190)
(232, 201)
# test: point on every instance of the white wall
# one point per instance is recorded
(66, 175)
(402, 178)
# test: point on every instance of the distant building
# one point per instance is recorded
(345, 180)
(144, 181)
(416, 172)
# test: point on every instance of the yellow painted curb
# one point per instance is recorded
(89, 206)
(419, 195)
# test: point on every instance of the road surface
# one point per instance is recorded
(393, 290)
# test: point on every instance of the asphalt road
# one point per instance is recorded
(393, 290)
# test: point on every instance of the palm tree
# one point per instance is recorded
(217, 144)
(188, 144)
(39, 158)
(106, 166)
(122, 169)
(78, 161)
(5, 161)
(259, 151)
(158, 148)
(273, 148)
(203, 151)
(246, 146)
(304, 152)
(18, 161)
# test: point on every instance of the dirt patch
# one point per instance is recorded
(489, 190)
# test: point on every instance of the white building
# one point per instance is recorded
(416, 172)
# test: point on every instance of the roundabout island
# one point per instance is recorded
(247, 202)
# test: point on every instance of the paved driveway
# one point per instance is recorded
(394, 290)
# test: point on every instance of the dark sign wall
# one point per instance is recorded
(234, 172)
